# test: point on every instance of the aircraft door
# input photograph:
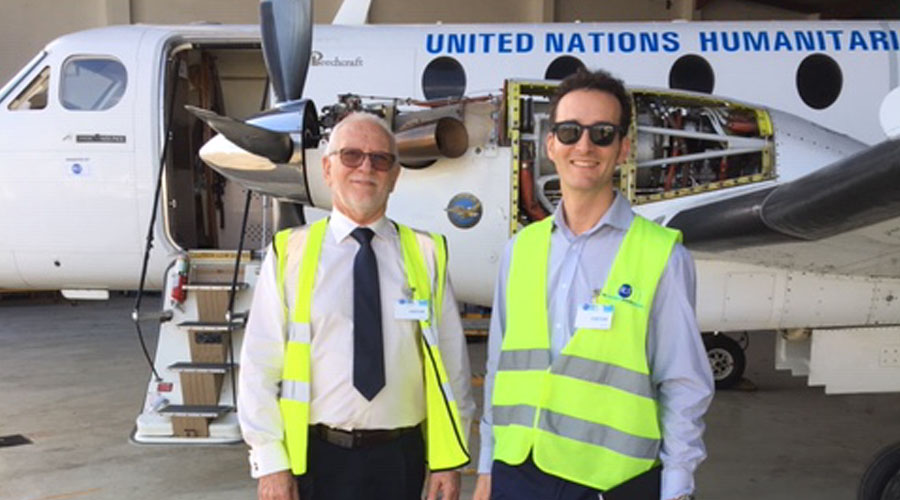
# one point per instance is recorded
(194, 193)
(26, 94)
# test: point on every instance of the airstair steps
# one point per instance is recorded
(211, 326)
(201, 367)
(192, 421)
(195, 403)
(203, 411)
(215, 286)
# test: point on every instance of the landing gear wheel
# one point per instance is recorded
(726, 358)
(881, 481)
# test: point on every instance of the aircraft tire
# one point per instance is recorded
(726, 358)
(881, 480)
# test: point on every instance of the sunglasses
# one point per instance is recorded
(601, 133)
(352, 157)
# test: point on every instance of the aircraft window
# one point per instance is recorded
(34, 96)
(443, 77)
(819, 81)
(562, 67)
(692, 72)
(92, 84)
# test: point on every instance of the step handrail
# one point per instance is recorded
(136, 314)
(229, 313)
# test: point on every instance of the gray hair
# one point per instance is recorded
(361, 116)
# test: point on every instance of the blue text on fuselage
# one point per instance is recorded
(643, 42)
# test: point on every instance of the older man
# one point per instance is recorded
(354, 372)
(596, 370)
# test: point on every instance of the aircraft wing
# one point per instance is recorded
(843, 218)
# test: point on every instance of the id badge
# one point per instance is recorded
(411, 309)
(594, 317)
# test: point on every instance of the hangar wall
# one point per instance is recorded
(28, 25)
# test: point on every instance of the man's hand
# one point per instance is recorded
(482, 487)
(446, 483)
(278, 486)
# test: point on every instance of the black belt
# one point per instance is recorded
(359, 438)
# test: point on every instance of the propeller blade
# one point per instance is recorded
(287, 41)
(276, 146)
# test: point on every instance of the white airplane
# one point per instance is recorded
(768, 144)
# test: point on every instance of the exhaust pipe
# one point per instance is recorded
(420, 146)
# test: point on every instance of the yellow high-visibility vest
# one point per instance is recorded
(444, 437)
(590, 417)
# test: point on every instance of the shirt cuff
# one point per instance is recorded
(268, 459)
(485, 459)
(676, 481)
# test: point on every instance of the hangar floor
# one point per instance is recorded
(72, 378)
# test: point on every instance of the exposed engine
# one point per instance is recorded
(681, 144)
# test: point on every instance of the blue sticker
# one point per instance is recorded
(625, 291)
(77, 168)
(464, 210)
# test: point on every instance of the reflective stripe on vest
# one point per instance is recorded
(445, 440)
(596, 401)
(295, 375)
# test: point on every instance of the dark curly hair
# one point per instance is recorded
(600, 81)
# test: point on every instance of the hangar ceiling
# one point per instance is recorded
(833, 9)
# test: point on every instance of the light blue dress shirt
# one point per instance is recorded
(679, 367)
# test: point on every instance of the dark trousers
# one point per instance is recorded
(390, 470)
(526, 482)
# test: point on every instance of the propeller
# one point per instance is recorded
(265, 152)
(276, 146)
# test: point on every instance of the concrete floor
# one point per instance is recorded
(72, 379)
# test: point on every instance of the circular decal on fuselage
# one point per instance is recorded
(464, 210)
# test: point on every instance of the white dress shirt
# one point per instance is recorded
(334, 400)
(679, 367)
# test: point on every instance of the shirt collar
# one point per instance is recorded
(619, 216)
(341, 226)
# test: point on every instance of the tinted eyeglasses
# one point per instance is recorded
(601, 133)
(352, 157)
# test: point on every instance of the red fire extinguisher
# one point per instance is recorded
(178, 291)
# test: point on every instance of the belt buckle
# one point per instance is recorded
(359, 438)
(342, 439)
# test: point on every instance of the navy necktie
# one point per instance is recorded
(368, 346)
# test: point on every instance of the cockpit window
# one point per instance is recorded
(34, 95)
(92, 84)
